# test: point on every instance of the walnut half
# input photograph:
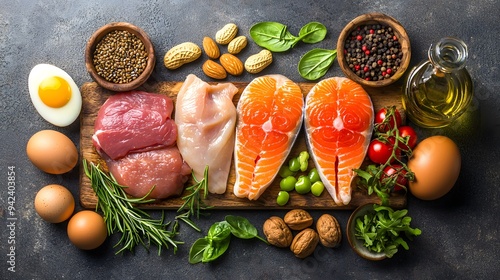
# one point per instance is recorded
(277, 232)
(329, 231)
(304, 243)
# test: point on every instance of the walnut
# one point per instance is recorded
(304, 243)
(329, 231)
(277, 232)
(298, 219)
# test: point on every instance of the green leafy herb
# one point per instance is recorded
(315, 63)
(194, 201)
(313, 32)
(275, 36)
(216, 243)
(382, 231)
(135, 225)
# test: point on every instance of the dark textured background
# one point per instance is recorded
(460, 237)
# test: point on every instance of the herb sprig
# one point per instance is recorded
(120, 214)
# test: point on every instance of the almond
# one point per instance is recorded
(214, 70)
(232, 64)
(210, 47)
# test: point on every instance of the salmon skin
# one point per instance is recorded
(338, 121)
(270, 114)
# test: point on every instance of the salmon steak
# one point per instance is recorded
(338, 120)
(270, 114)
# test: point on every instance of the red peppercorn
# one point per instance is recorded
(368, 78)
(389, 71)
(394, 38)
(366, 69)
(380, 62)
(367, 52)
(345, 51)
(363, 48)
(359, 37)
(372, 31)
(384, 73)
(357, 67)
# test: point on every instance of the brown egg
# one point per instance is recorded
(436, 163)
(87, 230)
(52, 152)
(54, 203)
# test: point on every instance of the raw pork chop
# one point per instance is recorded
(134, 122)
(206, 116)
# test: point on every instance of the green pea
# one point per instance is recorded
(317, 188)
(294, 164)
(288, 183)
(313, 175)
(285, 171)
(282, 198)
(303, 160)
(303, 185)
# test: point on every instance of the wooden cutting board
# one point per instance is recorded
(94, 96)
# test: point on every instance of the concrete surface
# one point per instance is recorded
(460, 237)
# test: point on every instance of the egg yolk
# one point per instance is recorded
(54, 91)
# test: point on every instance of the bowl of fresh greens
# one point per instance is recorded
(376, 232)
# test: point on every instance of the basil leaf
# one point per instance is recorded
(312, 32)
(315, 63)
(219, 231)
(197, 250)
(273, 36)
(215, 250)
(241, 227)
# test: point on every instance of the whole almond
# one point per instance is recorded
(298, 219)
(226, 34)
(210, 47)
(232, 64)
(237, 44)
(214, 70)
(257, 62)
(181, 54)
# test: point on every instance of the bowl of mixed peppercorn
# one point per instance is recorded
(374, 50)
(119, 56)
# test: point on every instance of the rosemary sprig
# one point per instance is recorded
(194, 201)
(135, 225)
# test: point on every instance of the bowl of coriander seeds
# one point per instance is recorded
(119, 56)
(374, 50)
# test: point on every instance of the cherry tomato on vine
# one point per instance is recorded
(382, 114)
(395, 170)
(408, 131)
(379, 152)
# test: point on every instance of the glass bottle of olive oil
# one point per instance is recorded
(440, 89)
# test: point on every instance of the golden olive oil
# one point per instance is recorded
(439, 90)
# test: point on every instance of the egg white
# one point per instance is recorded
(64, 115)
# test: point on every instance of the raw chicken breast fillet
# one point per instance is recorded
(206, 117)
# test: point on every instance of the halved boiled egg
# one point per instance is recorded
(54, 94)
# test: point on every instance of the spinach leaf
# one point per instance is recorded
(197, 250)
(219, 231)
(313, 32)
(273, 36)
(241, 227)
(215, 249)
(315, 63)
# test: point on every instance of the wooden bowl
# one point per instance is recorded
(97, 37)
(374, 18)
(357, 244)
